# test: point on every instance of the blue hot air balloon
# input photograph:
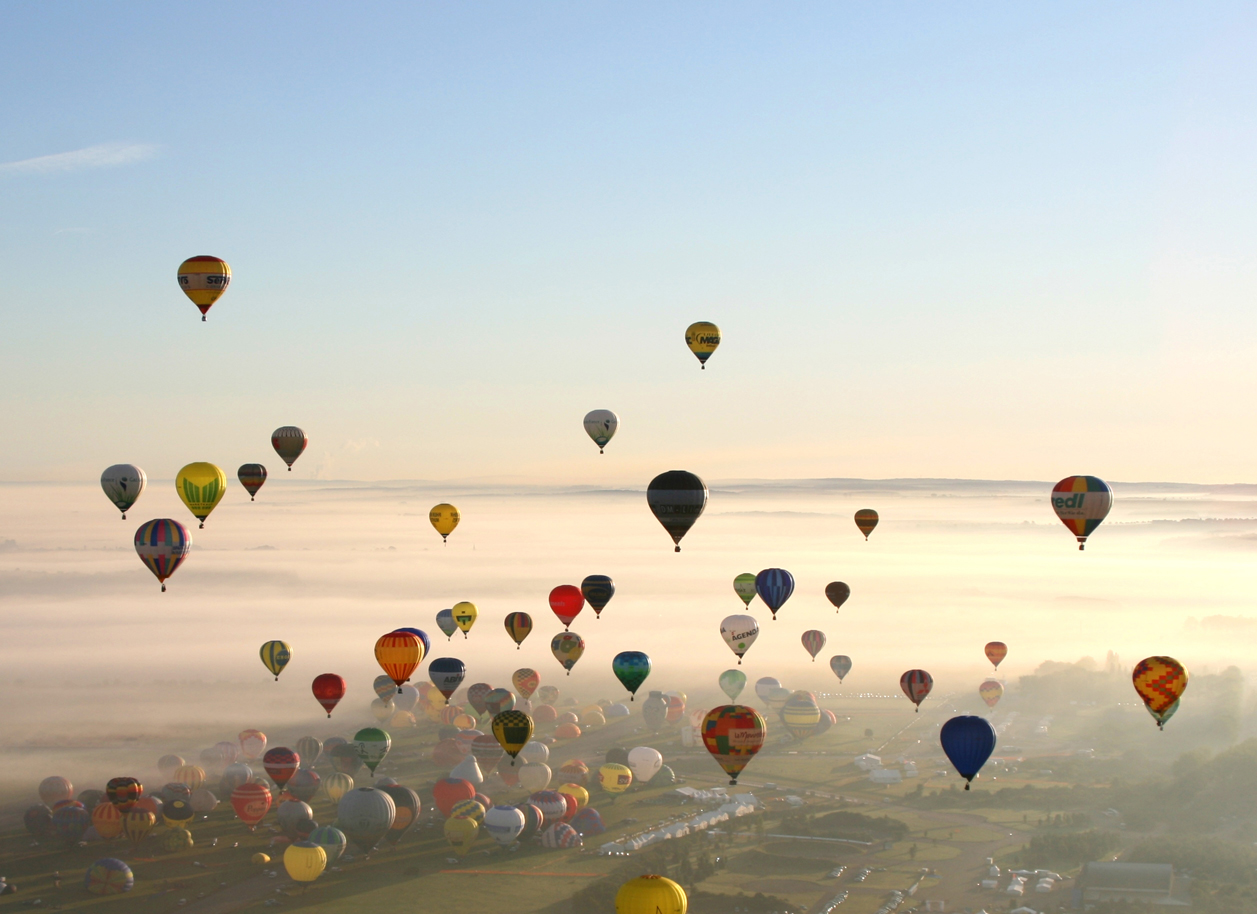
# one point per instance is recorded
(774, 586)
(968, 742)
(422, 636)
(631, 668)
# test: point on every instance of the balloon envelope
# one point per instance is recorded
(465, 614)
(252, 476)
(677, 498)
(813, 642)
(739, 632)
(733, 734)
(732, 682)
(162, 545)
(201, 486)
(651, 895)
(598, 589)
(289, 443)
(841, 665)
(968, 742)
(364, 815)
(774, 586)
(744, 587)
(991, 692)
(837, 593)
(1160, 682)
(866, 520)
(631, 668)
(1082, 503)
(518, 626)
(567, 648)
(702, 337)
(916, 684)
(995, 652)
(525, 682)
(444, 518)
(600, 425)
(122, 484)
(204, 279)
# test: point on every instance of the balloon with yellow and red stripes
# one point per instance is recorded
(204, 279)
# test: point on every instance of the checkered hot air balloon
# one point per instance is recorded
(1160, 682)
(512, 729)
(733, 734)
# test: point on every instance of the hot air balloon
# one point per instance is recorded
(422, 636)
(813, 642)
(525, 682)
(801, 715)
(204, 279)
(251, 476)
(465, 614)
(461, 833)
(109, 876)
(309, 749)
(201, 487)
(567, 601)
(732, 682)
(365, 815)
(702, 337)
(289, 443)
(504, 824)
(518, 626)
(600, 425)
(615, 778)
(281, 763)
(331, 839)
(498, 700)
(55, 789)
(991, 692)
(329, 689)
(841, 665)
(774, 586)
(251, 802)
(124, 792)
(252, 744)
(655, 711)
(996, 651)
(744, 587)
(406, 807)
(447, 674)
(398, 653)
(136, 825)
(916, 684)
(597, 589)
(765, 686)
(1160, 682)
(739, 632)
(304, 861)
(837, 592)
(123, 483)
(304, 785)
(567, 648)
(372, 744)
(644, 762)
(733, 734)
(651, 895)
(191, 776)
(107, 820)
(444, 518)
(631, 668)
(337, 785)
(512, 729)
(1082, 503)
(968, 742)
(866, 520)
(445, 622)
(275, 656)
(677, 499)
(475, 696)
(162, 545)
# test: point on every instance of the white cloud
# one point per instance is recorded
(106, 155)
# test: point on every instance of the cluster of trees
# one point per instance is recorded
(844, 824)
(1069, 849)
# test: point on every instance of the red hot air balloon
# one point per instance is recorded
(281, 763)
(996, 651)
(251, 801)
(328, 689)
(916, 684)
(567, 601)
(124, 793)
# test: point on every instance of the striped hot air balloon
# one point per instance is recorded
(866, 520)
(275, 656)
(774, 586)
(251, 476)
(398, 654)
(995, 652)
(289, 443)
(813, 642)
(598, 589)
(916, 684)
(677, 498)
(1082, 503)
(204, 279)
(162, 545)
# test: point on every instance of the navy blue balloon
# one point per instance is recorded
(422, 636)
(774, 586)
(968, 742)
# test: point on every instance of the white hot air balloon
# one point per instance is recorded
(535, 776)
(504, 824)
(600, 425)
(123, 483)
(645, 763)
(534, 751)
(739, 632)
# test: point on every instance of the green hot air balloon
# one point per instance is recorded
(744, 587)
(732, 682)
(631, 668)
(372, 744)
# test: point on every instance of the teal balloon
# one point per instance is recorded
(732, 682)
(631, 668)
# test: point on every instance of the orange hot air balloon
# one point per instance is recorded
(399, 653)
(1160, 682)
(866, 520)
(996, 651)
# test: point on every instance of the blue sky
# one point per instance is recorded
(978, 241)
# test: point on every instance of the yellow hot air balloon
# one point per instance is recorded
(444, 518)
(337, 785)
(465, 616)
(461, 832)
(577, 793)
(275, 656)
(305, 861)
(615, 778)
(651, 895)
(1160, 682)
(204, 279)
(702, 338)
(201, 486)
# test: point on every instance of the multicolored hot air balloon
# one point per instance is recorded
(280, 763)
(837, 593)
(251, 476)
(597, 589)
(329, 689)
(398, 654)
(518, 626)
(124, 792)
(744, 587)
(445, 622)
(631, 668)
(739, 632)
(162, 545)
(774, 586)
(801, 715)
(841, 665)
(733, 734)
(201, 487)
(677, 499)
(732, 682)
(512, 729)
(275, 656)
(289, 443)
(991, 692)
(567, 648)
(525, 682)
(123, 483)
(968, 742)
(567, 601)
(465, 614)
(866, 520)
(447, 674)
(1160, 682)
(1082, 503)
(813, 642)
(916, 684)
(702, 337)
(444, 518)
(204, 279)
(996, 651)
(600, 425)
